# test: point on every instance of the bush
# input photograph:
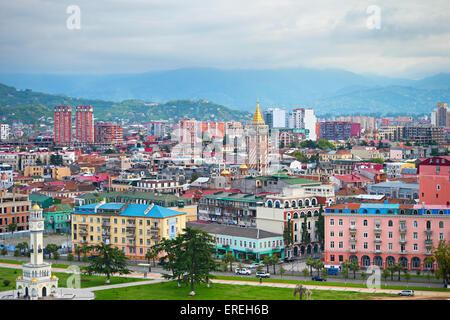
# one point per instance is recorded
(85, 258)
(305, 272)
(418, 272)
(56, 255)
(70, 257)
(17, 253)
(6, 283)
(4, 252)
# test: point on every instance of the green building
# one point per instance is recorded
(57, 219)
(43, 201)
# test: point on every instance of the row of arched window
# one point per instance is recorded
(293, 203)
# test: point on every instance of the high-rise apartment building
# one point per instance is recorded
(440, 116)
(275, 118)
(108, 132)
(63, 125)
(304, 118)
(4, 131)
(85, 124)
(336, 130)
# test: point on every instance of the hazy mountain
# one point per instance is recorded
(328, 90)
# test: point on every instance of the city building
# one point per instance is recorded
(245, 244)
(395, 189)
(14, 208)
(337, 130)
(440, 116)
(108, 133)
(304, 118)
(434, 178)
(85, 124)
(63, 125)
(157, 128)
(131, 227)
(4, 131)
(275, 118)
(383, 233)
(366, 122)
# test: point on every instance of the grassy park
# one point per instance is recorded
(86, 281)
(216, 291)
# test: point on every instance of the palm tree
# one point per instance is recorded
(354, 266)
(275, 261)
(399, 267)
(301, 290)
(229, 258)
(267, 261)
(310, 264)
(78, 252)
(318, 265)
(151, 254)
(391, 267)
(282, 271)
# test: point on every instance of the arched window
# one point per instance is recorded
(307, 202)
(314, 201)
(295, 215)
(300, 203)
(390, 223)
(277, 204)
(377, 211)
(441, 224)
(270, 203)
(428, 212)
(415, 262)
(428, 224)
(378, 261)
(294, 204)
(286, 204)
(309, 214)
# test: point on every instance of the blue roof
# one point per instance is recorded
(135, 210)
(114, 206)
(161, 212)
(132, 210)
(379, 206)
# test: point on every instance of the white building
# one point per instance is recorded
(275, 118)
(4, 131)
(304, 118)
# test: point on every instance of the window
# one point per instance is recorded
(390, 246)
(390, 235)
(341, 244)
(341, 258)
(366, 245)
(415, 224)
(341, 222)
(331, 233)
(332, 257)
(441, 236)
(390, 223)
(441, 224)
(438, 187)
(341, 234)
(331, 222)
(365, 223)
(332, 244)
(415, 235)
(416, 247)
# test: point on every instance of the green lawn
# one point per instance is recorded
(327, 283)
(170, 291)
(86, 281)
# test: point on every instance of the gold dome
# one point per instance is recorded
(19, 278)
(36, 207)
(53, 277)
(243, 166)
(257, 117)
(225, 172)
(33, 280)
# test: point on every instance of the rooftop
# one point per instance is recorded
(235, 231)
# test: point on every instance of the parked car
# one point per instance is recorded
(253, 265)
(263, 275)
(243, 271)
(406, 293)
(332, 271)
(162, 263)
(92, 257)
(317, 278)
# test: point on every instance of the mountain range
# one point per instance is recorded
(328, 91)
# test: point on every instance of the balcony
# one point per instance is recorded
(377, 229)
(377, 240)
(428, 242)
(106, 233)
(155, 237)
(131, 225)
(428, 232)
(352, 240)
(131, 236)
(402, 241)
(106, 224)
(352, 249)
(402, 229)
(83, 232)
(377, 250)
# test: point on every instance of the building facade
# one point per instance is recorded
(108, 132)
(63, 125)
(85, 124)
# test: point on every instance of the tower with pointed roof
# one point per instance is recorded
(257, 136)
(37, 280)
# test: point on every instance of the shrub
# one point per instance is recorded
(305, 272)
(56, 255)
(4, 251)
(6, 282)
(17, 253)
(85, 258)
(70, 257)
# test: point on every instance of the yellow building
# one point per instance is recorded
(191, 212)
(335, 155)
(31, 171)
(59, 172)
(131, 227)
(87, 169)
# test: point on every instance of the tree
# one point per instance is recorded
(259, 268)
(267, 261)
(151, 254)
(78, 252)
(318, 265)
(321, 225)
(56, 160)
(12, 227)
(305, 272)
(363, 275)
(274, 261)
(194, 176)
(229, 259)
(442, 256)
(288, 236)
(385, 274)
(392, 268)
(38, 161)
(301, 290)
(4, 251)
(196, 257)
(378, 160)
(399, 267)
(282, 271)
(345, 266)
(51, 248)
(172, 250)
(354, 266)
(109, 260)
(407, 275)
(310, 264)
(306, 238)
(22, 246)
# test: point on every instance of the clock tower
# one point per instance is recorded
(37, 280)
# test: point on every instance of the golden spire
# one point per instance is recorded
(257, 117)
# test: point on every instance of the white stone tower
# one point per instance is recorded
(37, 280)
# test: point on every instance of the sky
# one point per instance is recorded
(409, 39)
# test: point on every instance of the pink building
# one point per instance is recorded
(380, 234)
(434, 181)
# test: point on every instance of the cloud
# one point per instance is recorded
(137, 35)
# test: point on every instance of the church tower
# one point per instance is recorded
(257, 143)
(37, 280)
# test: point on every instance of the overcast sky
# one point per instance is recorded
(131, 36)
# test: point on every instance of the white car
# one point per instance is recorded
(242, 271)
(263, 275)
(253, 265)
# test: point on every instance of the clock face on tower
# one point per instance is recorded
(40, 225)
